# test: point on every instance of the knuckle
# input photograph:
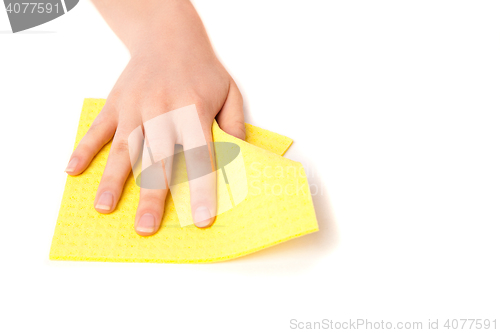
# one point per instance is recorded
(113, 178)
(120, 146)
(239, 123)
(155, 197)
(110, 181)
(199, 154)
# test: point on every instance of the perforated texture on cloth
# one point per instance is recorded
(278, 207)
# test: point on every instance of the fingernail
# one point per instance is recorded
(146, 224)
(105, 201)
(72, 165)
(202, 217)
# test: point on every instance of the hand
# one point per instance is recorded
(172, 65)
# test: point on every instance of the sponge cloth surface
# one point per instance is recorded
(277, 207)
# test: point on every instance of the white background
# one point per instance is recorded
(394, 109)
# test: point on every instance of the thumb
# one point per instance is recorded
(230, 118)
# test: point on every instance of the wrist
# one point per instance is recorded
(168, 29)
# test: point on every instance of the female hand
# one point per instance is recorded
(172, 65)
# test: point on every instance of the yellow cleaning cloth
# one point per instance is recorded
(278, 207)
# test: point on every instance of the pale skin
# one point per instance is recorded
(172, 65)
